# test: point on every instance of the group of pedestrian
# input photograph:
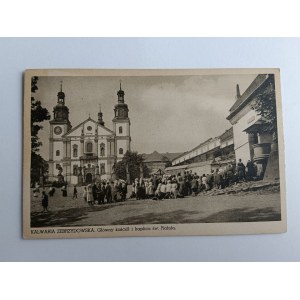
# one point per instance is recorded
(191, 184)
(159, 187)
(105, 192)
(246, 173)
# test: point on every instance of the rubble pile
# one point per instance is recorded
(246, 187)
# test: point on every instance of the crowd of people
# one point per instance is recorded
(105, 192)
(159, 187)
(191, 184)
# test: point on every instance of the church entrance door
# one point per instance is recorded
(88, 178)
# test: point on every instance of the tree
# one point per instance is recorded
(38, 115)
(265, 105)
(132, 162)
(38, 167)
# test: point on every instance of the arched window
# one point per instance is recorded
(102, 149)
(75, 170)
(75, 151)
(89, 147)
(121, 151)
(120, 129)
(57, 153)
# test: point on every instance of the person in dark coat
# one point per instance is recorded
(209, 181)
(241, 170)
(230, 174)
(124, 190)
(108, 193)
(45, 201)
(143, 190)
(181, 187)
(138, 190)
(217, 179)
(118, 191)
(64, 191)
(194, 186)
(189, 178)
(75, 192)
(102, 192)
(250, 170)
(94, 192)
(155, 182)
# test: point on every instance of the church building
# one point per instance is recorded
(89, 150)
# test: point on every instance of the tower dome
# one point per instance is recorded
(60, 110)
(121, 108)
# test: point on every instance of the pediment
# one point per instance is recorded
(88, 127)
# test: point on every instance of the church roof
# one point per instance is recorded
(87, 120)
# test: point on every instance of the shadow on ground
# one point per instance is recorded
(70, 216)
(242, 215)
(177, 216)
(63, 217)
(182, 216)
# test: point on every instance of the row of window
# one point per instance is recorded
(89, 128)
(102, 150)
(76, 170)
(197, 152)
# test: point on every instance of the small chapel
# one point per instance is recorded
(88, 151)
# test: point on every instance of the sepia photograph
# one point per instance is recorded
(152, 153)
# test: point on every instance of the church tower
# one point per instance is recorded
(60, 114)
(121, 125)
(100, 117)
(58, 127)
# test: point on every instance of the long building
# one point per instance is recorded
(211, 154)
(218, 148)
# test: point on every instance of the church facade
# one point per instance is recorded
(88, 151)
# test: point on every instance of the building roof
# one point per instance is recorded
(249, 94)
(154, 157)
(171, 156)
(189, 166)
(228, 134)
(159, 157)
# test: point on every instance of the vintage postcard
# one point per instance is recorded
(112, 153)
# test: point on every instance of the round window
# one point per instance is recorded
(89, 128)
(57, 130)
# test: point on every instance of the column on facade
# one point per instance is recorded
(113, 151)
(81, 147)
(64, 164)
(252, 139)
(69, 171)
(51, 163)
(97, 146)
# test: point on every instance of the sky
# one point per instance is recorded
(167, 113)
